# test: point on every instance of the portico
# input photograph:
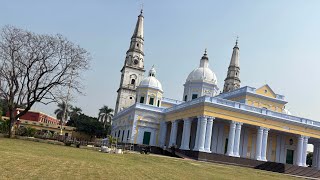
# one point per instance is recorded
(223, 131)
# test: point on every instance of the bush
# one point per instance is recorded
(67, 143)
(4, 126)
(30, 131)
(77, 144)
(21, 131)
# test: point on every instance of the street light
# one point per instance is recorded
(64, 118)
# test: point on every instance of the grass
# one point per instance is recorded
(20, 159)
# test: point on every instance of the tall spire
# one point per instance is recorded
(138, 31)
(235, 55)
(232, 81)
(137, 39)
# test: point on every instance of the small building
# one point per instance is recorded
(43, 122)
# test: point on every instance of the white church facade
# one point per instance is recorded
(242, 121)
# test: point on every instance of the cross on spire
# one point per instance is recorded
(237, 40)
(141, 11)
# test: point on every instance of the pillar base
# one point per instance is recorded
(199, 149)
(229, 154)
(207, 151)
(301, 165)
(258, 159)
(184, 148)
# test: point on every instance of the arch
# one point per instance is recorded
(133, 81)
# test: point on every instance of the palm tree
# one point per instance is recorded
(75, 111)
(60, 111)
(105, 115)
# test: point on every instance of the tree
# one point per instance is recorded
(60, 111)
(37, 69)
(89, 125)
(75, 111)
(105, 116)
(3, 107)
(74, 115)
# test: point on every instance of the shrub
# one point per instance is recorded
(67, 143)
(30, 131)
(4, 126)
(21, 131)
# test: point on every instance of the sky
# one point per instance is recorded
(279, 43)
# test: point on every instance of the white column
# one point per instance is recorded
(299, 151)
(120, 137)
(237, 140)
(196, 142)
(163, 132)
(231, 138)
(202, 132)
(318, 156)
(304, 151)
(173, 134)
(259, 143)
(315, 155)
(208, 134)
(186, 134)
(264, 144)
(278, 148)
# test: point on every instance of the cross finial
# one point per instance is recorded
(141, 11)
(205, 51)
(237, 40)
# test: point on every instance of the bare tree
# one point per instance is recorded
(37, 69)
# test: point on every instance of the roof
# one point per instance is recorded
(246, 90)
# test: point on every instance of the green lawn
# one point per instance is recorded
(20, 159)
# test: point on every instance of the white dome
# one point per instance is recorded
(151, 82)
(202, 74)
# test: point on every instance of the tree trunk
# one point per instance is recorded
(12, 124)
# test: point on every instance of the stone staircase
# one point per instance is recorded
(306, 172)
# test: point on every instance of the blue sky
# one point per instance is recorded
(279, 43)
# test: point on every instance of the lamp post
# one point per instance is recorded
(64, 118)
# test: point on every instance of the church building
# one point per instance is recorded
(238, 121)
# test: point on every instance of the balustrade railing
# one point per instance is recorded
(228, 103)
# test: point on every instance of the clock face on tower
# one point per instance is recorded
(135, 62)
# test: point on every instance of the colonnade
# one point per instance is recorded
(204, 139)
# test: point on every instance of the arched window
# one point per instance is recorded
(133, 81)
(185, 98)
(158, 104)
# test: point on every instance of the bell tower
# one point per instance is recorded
(133, 70)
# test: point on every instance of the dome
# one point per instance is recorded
(151, 81)
(202, 74)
